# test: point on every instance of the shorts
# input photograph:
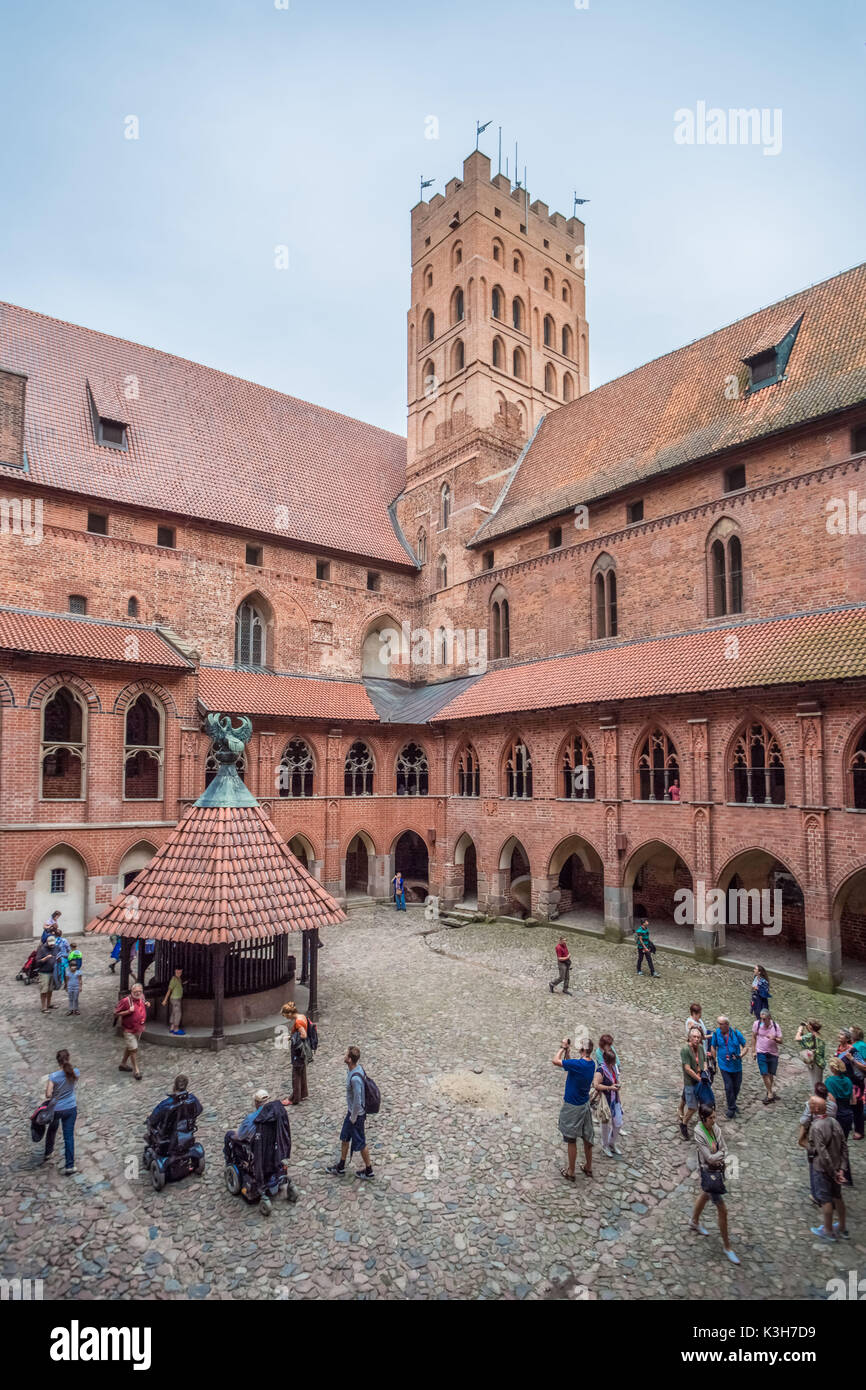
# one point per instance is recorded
(353, 1132)
(768, 1063)
(689, 1098)
(825, 1189)
(130, 1041)
(575, 1122)
(46, 983)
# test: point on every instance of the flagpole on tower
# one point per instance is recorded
(479, 131)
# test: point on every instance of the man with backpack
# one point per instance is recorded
(362, 1097)
(727, 1046)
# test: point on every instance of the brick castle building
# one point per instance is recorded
(561, 652)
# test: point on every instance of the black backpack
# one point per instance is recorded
(372, 1096)
(312, 1035)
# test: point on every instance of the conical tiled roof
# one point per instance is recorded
(224, 874)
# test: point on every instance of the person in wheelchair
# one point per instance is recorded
(257, 1154)
(170, 1147)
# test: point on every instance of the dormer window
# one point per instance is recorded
(768, 357)
(106, 406)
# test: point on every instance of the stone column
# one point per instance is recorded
(546, 897)
(823, 940)
(333, 868)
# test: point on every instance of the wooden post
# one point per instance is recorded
(305, 957)
(125, 953)
(217, 1038)
(313, 1003)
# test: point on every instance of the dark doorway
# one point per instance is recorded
(357, 869)
(299, 850)
(470, 872)
(412, 861)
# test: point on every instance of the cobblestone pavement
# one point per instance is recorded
(458, 1028)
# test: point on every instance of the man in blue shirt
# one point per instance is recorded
(575, 1117)
(727, 1045)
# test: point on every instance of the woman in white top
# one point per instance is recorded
(695, 1020)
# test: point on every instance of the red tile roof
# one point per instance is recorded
(252, 692)
(676, 408)
(804, 647)
(39, 634)
(201, 443)
(223, 875)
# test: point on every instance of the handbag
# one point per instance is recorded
(600, 1108)
(712, 1178)
(704, 1091)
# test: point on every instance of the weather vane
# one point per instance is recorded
(578, 202)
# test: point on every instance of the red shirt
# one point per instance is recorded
(134, 1022)
(562, 950)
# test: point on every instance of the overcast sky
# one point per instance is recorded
(305, 127)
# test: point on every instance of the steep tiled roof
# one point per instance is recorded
(41, 634)
(830, 645)
(223, 875)
(676, 408)
(254, 692)
(201, 443)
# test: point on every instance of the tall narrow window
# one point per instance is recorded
(550, 380)
(497, 301)
(857, 774)
(567, 387)
(567, 341)
(143, 751)
(422, 547)
(249, 636)
(458, 356)
(457, 306)
(442, 573)
(468, 775)
(518, 364)
(757, 769)
(445, 507)
(657, 767)
(517, 314)
(518, 771)
(498, 354)
(295, 772)
(549, 331)
(428, 327)
(604, 593)
(63, 747)
(412, 771)
(725, 570)
(577, 772)
(500, 637)
(358, 771)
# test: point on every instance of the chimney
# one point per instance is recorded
(12, 388)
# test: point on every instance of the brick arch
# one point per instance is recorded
(55, 681)
(561, 844)
(139, 839)
(463, 835)
(510, 844)
(307, 838)
(409, 830)
(849, 740)
(128, 695)
(32, 864)
(7, 699)
(349, 837)
(749, 847)
(667, 843)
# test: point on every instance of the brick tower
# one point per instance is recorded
(497, 338)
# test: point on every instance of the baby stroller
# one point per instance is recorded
(170, 1147)
(256, 1167)
(28, 972)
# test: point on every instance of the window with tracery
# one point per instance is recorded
(658, 768)
(295, 771)
(757, 768)
(63, 747)
(358, 771)
(143, 754)
(211, 768)
(857, 774)
(250, 645)
(518, 771)
(577, 773)
(604, 589)
(726, 575)
(412, 771)
(500, 626)
(468, 774)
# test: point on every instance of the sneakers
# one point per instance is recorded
(821, 1233)
(698, 1229)
(338, 1169)
(616, 1150)
(550, 987)
(365, 1174)
(840, 1235)
(608, 1153)
(684, 1130)
(734, 1259)
(67, 1172)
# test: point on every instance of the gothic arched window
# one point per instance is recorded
(577, 770)
(857, 774)
(467, 781)
(64, 746)
(444, 507)
(757, 768)
(500, 627)
(422, 547)
(725, 558)
(358, 771)
(412, 771)
(442, 573)
(250, 644)
(143, 755)
(657, 767)
(604, 595)
(295, 772)
(518, 771)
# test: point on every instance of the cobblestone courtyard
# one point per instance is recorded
(458, 1028)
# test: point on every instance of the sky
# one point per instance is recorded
(303, 124)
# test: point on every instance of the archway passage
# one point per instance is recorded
(466, 867)
(133, 862)
(654, 881)
(60, 882)
(357, 868)
(516, 879)
(765, 912)
(849, 918)
(413, 862)
(300, 849)
(577, 895)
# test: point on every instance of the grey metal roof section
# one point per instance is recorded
(398, 703)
